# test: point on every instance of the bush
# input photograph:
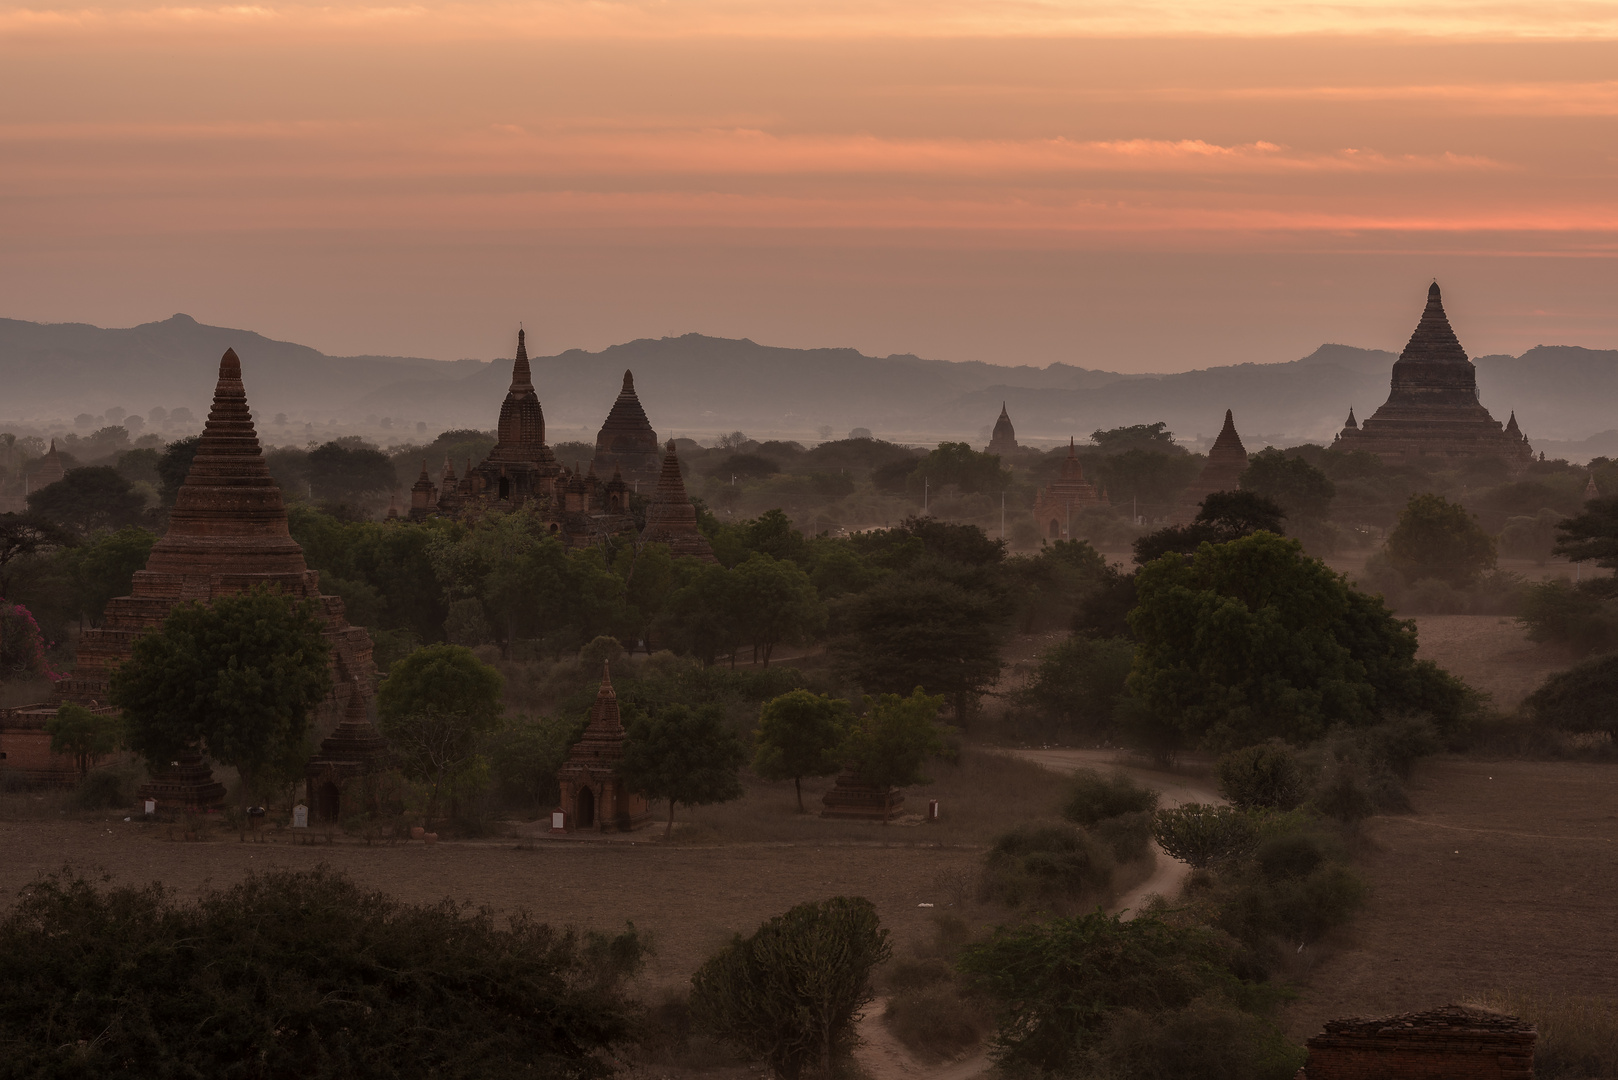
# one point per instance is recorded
(103, 789)
(792, 992)
(1045, 864)
(1092, 797)
(1208, 1039)
(1262, 777)
(1129, 836)
(298, 974)
(1201, 835)
(936, 1022)
(1582, 616)
(1584, 698)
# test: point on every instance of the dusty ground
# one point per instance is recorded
(1506, 876)
(1491, 653)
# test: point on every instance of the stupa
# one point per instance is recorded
(354, 750)
(671, 519)
(1433, 407)
(1056, 503)
(521, 466)
(424, 493)
(1004, 439)
(593, 795)
(227, 533)
(49, 470)
(627, 442)
(1227, 460)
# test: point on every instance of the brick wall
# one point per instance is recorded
(1452, 1043)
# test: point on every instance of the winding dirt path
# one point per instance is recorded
(884, 1057)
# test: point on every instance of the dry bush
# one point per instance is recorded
(938, 1022)
(1578, 1036)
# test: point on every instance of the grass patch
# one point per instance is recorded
(1578, 1036)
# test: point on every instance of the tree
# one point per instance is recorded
(799, 735)
(684, 755)
(701, 618)
(1302, 491)
(648, 575)
(238, 677)
(22, 644)
(175, 465)
(907, 632)
(1223, 516)
(888, 746)
(345, 469)
(1201, 835)
(433, 707)
(23, 535)
(777, 602)
(300, 973)
(83, 735)
(1155, 437)
(1078, 682)
(85, 500)
(105, 567)
(1592, 535)
(971, 471)
(1436, 538)
(1583, 698)
(1266, 776)
(1253, 640)
(793, 992)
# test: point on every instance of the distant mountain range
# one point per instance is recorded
(699, 386)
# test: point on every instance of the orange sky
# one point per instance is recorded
(1130, 186)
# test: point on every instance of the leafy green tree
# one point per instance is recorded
(702, 618)
(238, 677)
(908, 632)
(1253, 640)
(1303, 492)
(88, 499)
(687, 756)
(1583, 698)
(1592, 535)
(175, 465)
(1266, 776)
(777, 602)
(1151, 479)
(1079, 682)
(799, 734)
(889, 746)
(1202, 835)
(648, 574)
(971, 471)
(23, 536)
(300, 973)
(346, 469)
(1224, 516)
(1581, 615)
(1154, 437)
(1436, 538)
(793, 992)
(105, 566)
(434, 706)
(83, 735)
(1056, 984)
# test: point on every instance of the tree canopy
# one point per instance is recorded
(1436, 538)
(1592, 535)
(799, 734)
(87, 499)
(889, 746)
(83, 735)
(686, 755)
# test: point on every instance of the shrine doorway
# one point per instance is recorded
(585, 814)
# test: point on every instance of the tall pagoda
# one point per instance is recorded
(521, 465)
(671, 519)
(1004, 438)
(626, 442)
(1055, 503)
(1227, 460)
(1433, 407)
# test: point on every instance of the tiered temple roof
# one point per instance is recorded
(1432, 406)
(1004, 439)
(627, 442)
(671, 519)
(1055, 504)
(521, 465)
(593, 795)
(1227, 460)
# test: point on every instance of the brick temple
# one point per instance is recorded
(671, 519)
(594, 798)
(1057, 502)
(1452, 1043)
(227, 533)
(1004, 438)
(1433, 407)
(1227, 460)
(626, 444)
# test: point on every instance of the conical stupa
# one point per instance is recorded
(1227, 460)
(1004, 438)
(671, 519)
(1433, 406)
(626, 441)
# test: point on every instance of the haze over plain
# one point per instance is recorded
(1145, 187)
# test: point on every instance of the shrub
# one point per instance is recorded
(1208, 1039)
(103, 789)
(1129, 836)
(1582, 616)
(1289, 855)
(1266, 776)
(298, 974)
(1201, 835)
(1045, 863)
(936, 1022)
(792, 993)
(1583, 698)
(1092, 797)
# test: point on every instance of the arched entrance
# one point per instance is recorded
(584, 814)
(1056, 528)
(505, 487)
(328, 801)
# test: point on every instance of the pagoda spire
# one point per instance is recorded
(1352, 423)
(521, 377)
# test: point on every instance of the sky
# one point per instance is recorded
(1149, 186)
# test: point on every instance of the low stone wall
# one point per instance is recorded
(1452, 1043)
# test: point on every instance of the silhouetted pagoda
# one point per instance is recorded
(1433, 407)
(227, 533)
(627, 444)
(593, 795)
(354, 750)
(1004, 439)
(671, 519)
(1227, 460)
(1055, 503)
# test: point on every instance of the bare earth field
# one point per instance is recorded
(1491, 653)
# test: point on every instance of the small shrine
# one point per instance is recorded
(355, 749)
(1454, 1041)
(671, 519)
(854, 799)
(1056, 502)
(594, 798)
(1227, 460)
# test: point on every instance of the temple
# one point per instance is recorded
(1055, 504)
(593, 794)
(1004, 439)
(354, 750)
(1454, 1041)
(227, 533)
(1227, 460)
(626, 443)
(1432, 407)
(671, 519)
